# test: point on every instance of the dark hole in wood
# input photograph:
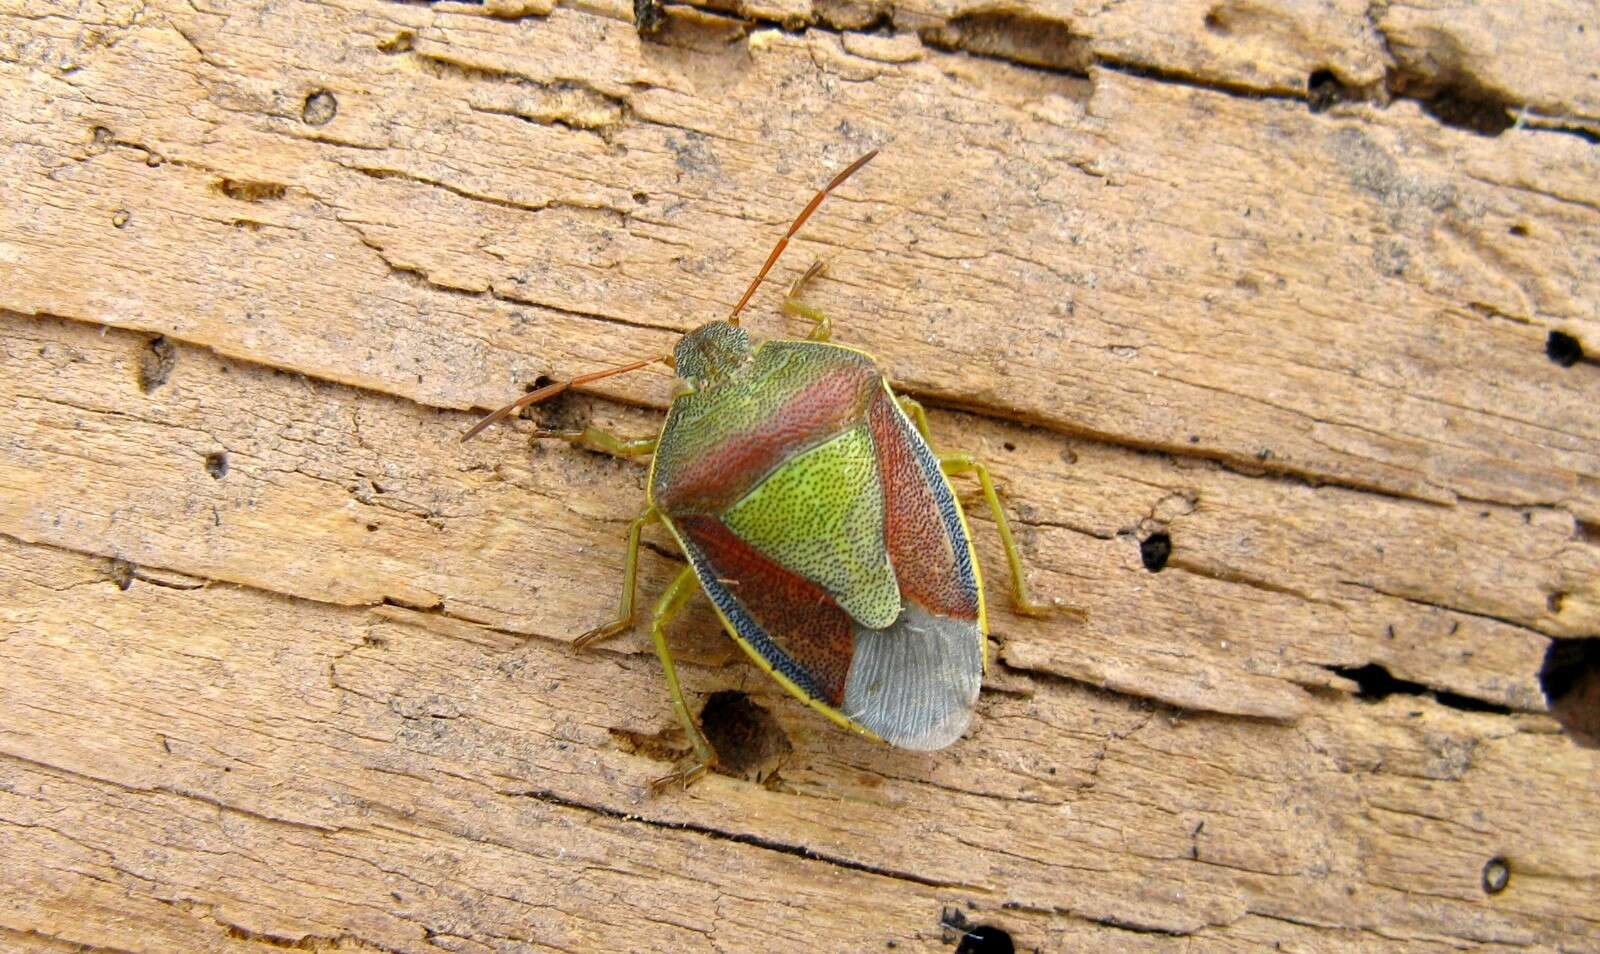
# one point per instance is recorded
(1520, 231)
(319, 109)
(1496, 875)
(1375, 683)
(748, 740)
(1323, 89)
(542, 411)
(156, 364)
(1465, 107)
(1563, 349)
(648, 16)
(217, 465)
(1570, 678)
(1154, 550)
(1009, 446)
(248, 190)
(986, 939)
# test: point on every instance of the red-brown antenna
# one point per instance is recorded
(551, 390)
(733, 316)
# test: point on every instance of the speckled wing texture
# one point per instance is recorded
(820, 525)
(819, 516)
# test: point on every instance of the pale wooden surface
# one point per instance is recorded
(281, 664)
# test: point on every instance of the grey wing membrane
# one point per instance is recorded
(914, 683)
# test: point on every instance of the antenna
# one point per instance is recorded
(551, 390)
(838, 180)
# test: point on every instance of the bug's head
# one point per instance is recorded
(711, 353)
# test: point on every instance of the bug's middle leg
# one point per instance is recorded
(683, 587)
(792, 304)
(630, 577)
(960, 463)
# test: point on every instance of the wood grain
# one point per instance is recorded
(284, 665)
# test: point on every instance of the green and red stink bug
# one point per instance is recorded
(815, 515)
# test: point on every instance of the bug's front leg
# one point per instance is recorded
(683, 587)
(792, 304)
(596, 439)
(630, 576)
(1020, 600)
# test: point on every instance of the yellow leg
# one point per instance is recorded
(918, 415)
(630, 576)
(1020, 600)
(683, 587)
(595, 439)
(823, 329)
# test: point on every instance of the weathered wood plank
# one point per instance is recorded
(414, 773)
(283, 665)
(1066, 297)
(1270, 582)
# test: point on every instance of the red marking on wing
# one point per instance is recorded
(723, 474)
(920, 548)
(799, 616)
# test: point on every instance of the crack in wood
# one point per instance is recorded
(755, 841)
(219, 804)
(1012, 38)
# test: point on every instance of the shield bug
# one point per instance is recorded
(815, 515)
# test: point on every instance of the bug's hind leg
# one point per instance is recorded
(823, 325)
(1021, 601)
(603, 441)
(683, 587)
(630, 577)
